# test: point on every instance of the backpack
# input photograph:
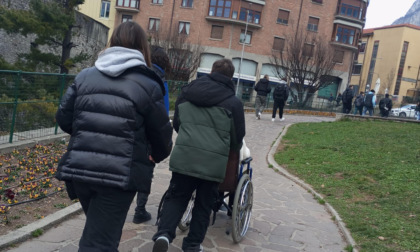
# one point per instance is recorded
(280, 92)
(368, 101)
(359, 102)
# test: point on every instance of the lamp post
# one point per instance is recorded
(242, 55)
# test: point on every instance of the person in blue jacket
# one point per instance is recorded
(160, 65)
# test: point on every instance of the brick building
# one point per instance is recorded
(219, 26)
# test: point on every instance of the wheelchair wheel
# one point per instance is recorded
(242, 207)
(184, 223)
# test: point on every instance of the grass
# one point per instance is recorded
(369, 171)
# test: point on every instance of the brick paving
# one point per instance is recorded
(285, 216)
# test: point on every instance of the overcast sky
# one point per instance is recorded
(384, 12)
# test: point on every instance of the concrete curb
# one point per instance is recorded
(341, 225)
(25, 232)
(9, 147)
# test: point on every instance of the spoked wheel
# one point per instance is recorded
(184, 223)
(242, 207)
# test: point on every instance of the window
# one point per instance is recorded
(220, 8)
(184, 28)
(283, 17)
(105, 5)
(350, 11)
(357, 69)
(345, 35)
(308, 50)
(154, 24)
(253, 16)
(362, 47)
(278, 44)
(401, 68)
(126, 18)
(187, 3)
(216, 32)
(157, 1)
(313, 24)
(128, 3)
(338, 56)
(317, 1)
(246, 38)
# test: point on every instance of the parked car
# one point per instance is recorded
(408, 110)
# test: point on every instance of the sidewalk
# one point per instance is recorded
(285, 216)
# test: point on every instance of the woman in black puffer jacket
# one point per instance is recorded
(119, 129)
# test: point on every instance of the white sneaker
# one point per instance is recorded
(259, 115)
(282, 119)
(161, 244)
(273, 119)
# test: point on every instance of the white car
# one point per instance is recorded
(408, 110)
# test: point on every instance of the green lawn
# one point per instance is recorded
(369, 171)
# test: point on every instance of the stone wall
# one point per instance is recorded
(90, 38)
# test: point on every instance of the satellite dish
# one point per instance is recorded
(378, 85)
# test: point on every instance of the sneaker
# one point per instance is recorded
(282, 119)
(273, 119)
(141, 216)
(199, 249)
(161, 244)
(259, 115)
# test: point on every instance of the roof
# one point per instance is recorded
(371, 30)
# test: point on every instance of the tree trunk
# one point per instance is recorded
(65, 53)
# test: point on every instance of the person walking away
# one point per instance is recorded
(160, 65)
(338, 99)
(280, 95)
(119, 129)
(370, 103)
(359, 103)
(347, 99)
(385, 105)
(263, 89)
(210, 122)
(418, 111)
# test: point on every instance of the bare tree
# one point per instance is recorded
(307, 60)
(183, 55)
(389, 79)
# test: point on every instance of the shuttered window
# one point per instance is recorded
(283, 17)
(278, 44)
(313, 24)
(216, 32)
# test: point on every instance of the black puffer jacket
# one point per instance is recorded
(116, 120)
(263, 87)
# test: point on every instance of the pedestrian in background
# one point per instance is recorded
(160, 65)
(385, 105)
(119, 129)
(338, 99)
(210, 122)
(347, 99)
(359, 103)
(369, 103)
(280, 95)
(263, 89)
(418, 111)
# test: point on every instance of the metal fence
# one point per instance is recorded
(28, 102)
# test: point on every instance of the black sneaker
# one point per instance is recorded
(161, 244)
(141, 216)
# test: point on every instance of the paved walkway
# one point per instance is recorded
(285, 216)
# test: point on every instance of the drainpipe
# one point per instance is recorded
(300, 13)
(172, 18)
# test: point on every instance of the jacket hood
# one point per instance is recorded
(209, 90)
(264, 80)
(115, 60)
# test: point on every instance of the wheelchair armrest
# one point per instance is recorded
(246, 160)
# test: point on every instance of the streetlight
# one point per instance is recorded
(242, 55)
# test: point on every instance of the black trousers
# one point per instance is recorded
(105, 209)
(280, 106)
(346, 108)
(175, 203)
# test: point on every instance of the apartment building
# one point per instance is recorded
(388, 61)
(219, 26)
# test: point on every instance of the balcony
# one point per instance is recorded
(260, 2)
(128, 5)
(350, 13)
(233, 21)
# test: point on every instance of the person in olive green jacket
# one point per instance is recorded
(210, 122)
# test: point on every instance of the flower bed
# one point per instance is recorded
(28, 189)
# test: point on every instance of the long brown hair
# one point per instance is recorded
(132, 36)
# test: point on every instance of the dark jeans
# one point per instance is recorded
(346, 108)
(358, 110)
(280, 106)
(175, 203)
(141, 201)
(105, 209)
(384, 112)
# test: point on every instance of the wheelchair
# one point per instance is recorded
(238, 189)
